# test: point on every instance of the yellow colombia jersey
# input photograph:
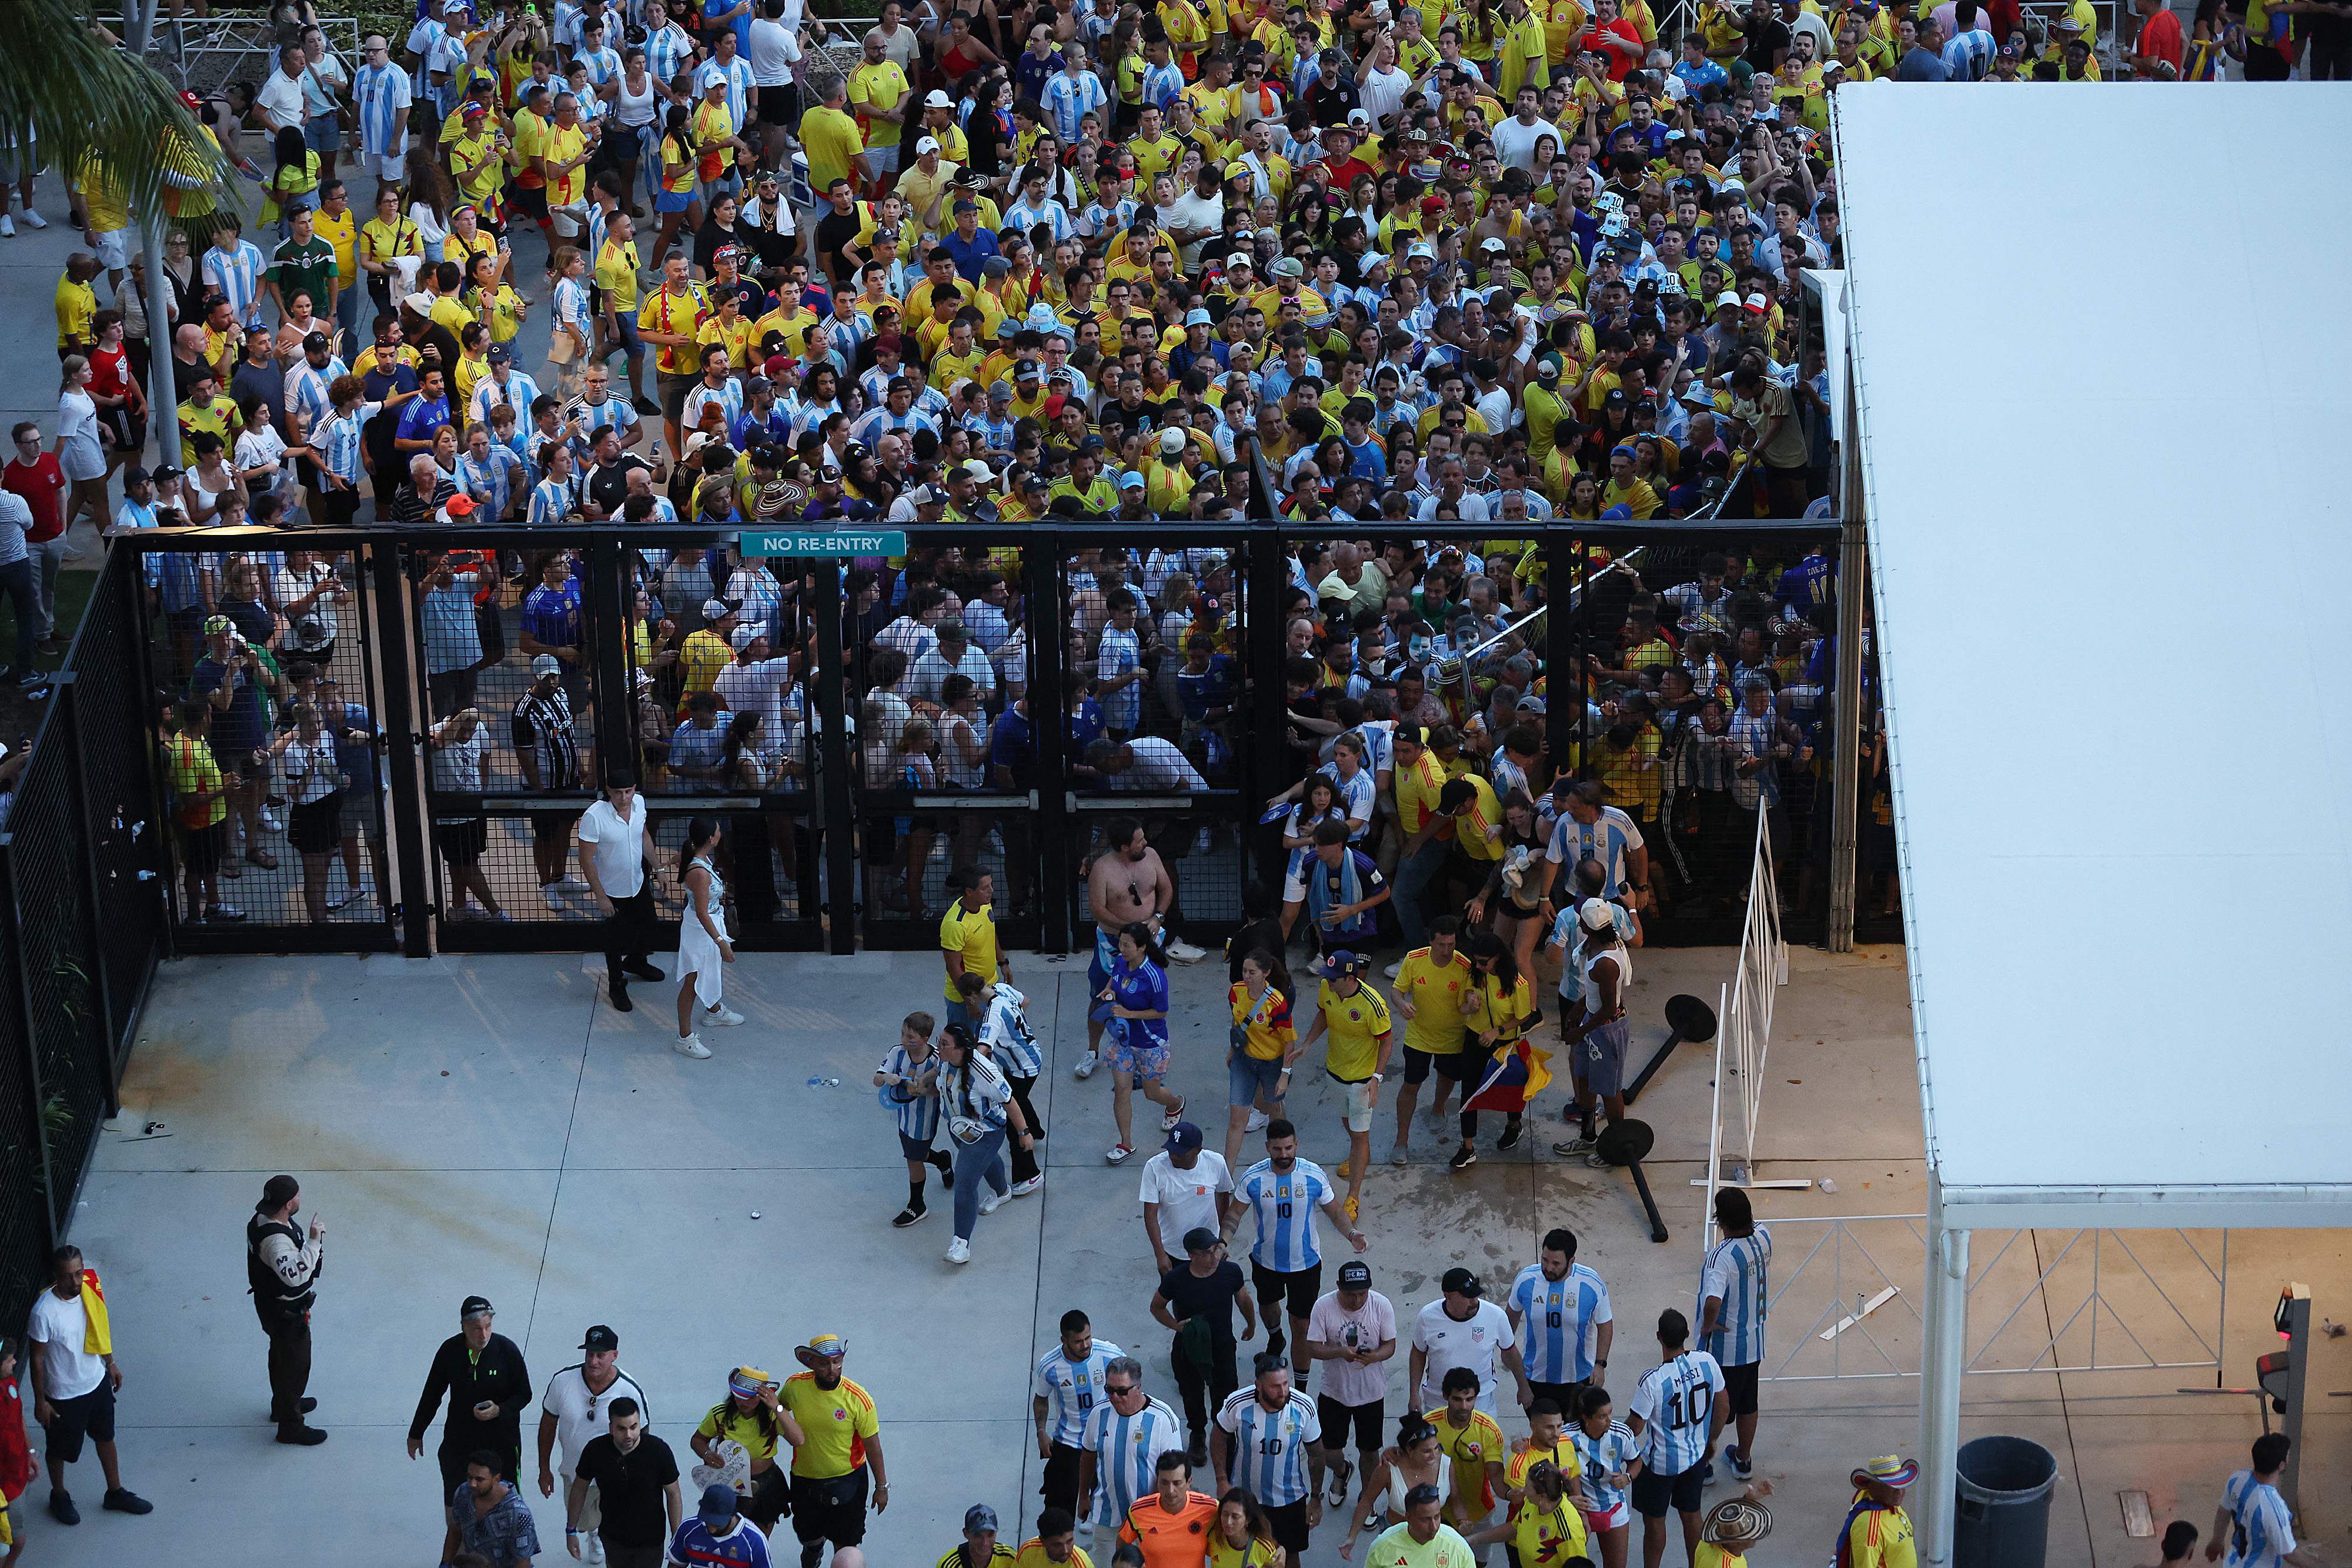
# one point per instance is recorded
(837, 1422)
(1354, 1025)
(971, 934)
(1436, 1026)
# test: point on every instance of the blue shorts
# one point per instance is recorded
(1247, 1077)
(629, 342)
(1099, 966)
(917, 1150)
(1601, 1059)
(322, 133)
(959, 1013)
(1148, 1061)
(672, 201)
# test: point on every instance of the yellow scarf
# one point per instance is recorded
(100, 1339)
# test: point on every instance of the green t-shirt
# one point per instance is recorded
(305, 265)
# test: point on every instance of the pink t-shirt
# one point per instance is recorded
(1368, 1327)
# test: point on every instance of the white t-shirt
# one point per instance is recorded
(280, 100)
(1371, 1325)
(58, 1327)
(1474, 1342)
(1515, 143)
(1187, 1199)
(618, 845)
(568, 1400)
(773, 50)
(1203, 214)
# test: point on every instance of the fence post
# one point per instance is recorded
(834, 761)
(36, 1098)
(389, 603)
(1269, 712)
(1049, 727)
(1845, 754)
(72, 720)
(616, 707)
(1565, 564)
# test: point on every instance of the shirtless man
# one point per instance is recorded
(1127, 881)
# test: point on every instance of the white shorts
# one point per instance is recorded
(111, 255)
(389, 168)
(1294, 889)
(883, 160)
(1357, 1102)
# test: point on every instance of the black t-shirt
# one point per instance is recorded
(835, 230)
(1191, 1296)
(629, 1488)
(608, 487)
(1764, 40)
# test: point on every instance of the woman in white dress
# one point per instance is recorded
(80, 451)
(703, 949)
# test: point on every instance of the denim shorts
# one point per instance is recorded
(322, 133)
(1247, 1076)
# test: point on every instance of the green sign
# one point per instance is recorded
(824, 542)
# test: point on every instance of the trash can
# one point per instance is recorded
(2001, 1518)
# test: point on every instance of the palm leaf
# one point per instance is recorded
(79, 93)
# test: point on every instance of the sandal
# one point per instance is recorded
(263, 858)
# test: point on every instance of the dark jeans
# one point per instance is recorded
(1061, 1487)
(16, 581)
(1025, 1161)
(290, 1368)
(1204, 1387)
(628, 933)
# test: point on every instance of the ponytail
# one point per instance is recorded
(700, 829)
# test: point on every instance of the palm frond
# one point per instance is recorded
(78, 94)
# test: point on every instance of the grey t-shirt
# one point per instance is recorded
(14, 518)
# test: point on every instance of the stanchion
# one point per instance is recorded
(1687, 1018)
(1622, 1143)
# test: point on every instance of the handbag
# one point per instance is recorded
(967, 1129)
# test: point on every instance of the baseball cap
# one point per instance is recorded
(1001, 389)
(979, 1517)
(1340, 961)
(499, 354)
(216, 624)
(421, 303)
(935, 99)
(472, 1306)
(600, 1337)
(928, 144)
(1355, 1275)
(1200, 1238)
(1758, 304)
(1596, 916)
(718, 1504)
(459, 505)
(1461, 1282)
(1197, 317)
(1726, 297)
(715, 609)
(1494, 244)
(1183, 1135)
(742, 637)
(979, 472)
(966, 205)
(1548, 368)
(1171, 441)
(1289, 266)
(1131, 480)
(475, 110)
(1025, 371)
(136, 475)
(546, 664)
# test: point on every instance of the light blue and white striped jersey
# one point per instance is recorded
(496, 475)
(1737, 1269)
(1285, 1203)
(1675, 1402)
(872, 427)
(237, 275)
(919, 1117)
(595, 416)
(553, 500)
(1559, 1320)
(339, 441)
(1067, 99)
(737, 74)
(727, 397)
(1356, 797)
(1609, 839)
(667, 52)
(1602, 1456)
(1126, 1448)
(1049, 213)
(604, 65)
(1120, 656)
(518, 391)
(572, 306)
(305, 391)
(382, 93)
(1568, 935)
(2261, 1526)
(1162, 85)
(1073, 1388)
(1269, 1453)
(1005, 1032)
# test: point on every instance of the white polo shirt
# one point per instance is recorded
(1187, 1199)
(1474, 1342)
(618, 847)
(568, 1399)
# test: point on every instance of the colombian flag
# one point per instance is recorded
(100, 1339)
(1514, 1076)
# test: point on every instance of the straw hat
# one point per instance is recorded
(1737, 1522)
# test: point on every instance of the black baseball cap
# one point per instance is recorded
(600, 1338)
(1461, 1282)
(1355, 1276)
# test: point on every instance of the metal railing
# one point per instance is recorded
(204, 54)
(1743, 1036)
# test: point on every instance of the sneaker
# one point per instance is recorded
(1580, 1144)
(1464, 1158)
(1512, 1132)
(1087, 1065)
(1198, 1453)
(1341, 1474)
(721, 1017)
(61, 1503)
(595, 1546)
(123, 1499)
(1087, 1526)
(994, 1201)
(1397, 1156)
(1741, 1465)
(227, 913)
(1185, 953)
(959, 1250)
(1394, 969)
(691, 1046)
(1117, 1153)
(1256, 1123)
(620, 998)
(34, 219)
(1596, 1162)
(648, 407)
(640, 969)
(573, 882)
(1023, 1189)
(296, 1433)
(908, 1215)
(271, 821)
(1173, 1114)
(8, 231)
(343, 900)
(547, 896)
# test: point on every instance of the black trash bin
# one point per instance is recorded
(2001, 1519)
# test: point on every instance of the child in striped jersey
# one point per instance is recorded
(909, 1082)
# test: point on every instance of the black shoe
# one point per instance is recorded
(620, 995)
(1199, 1452)
(910, 1215)
(1273, 1342)
(1510, 1138)
(308, 1405)
(62, 1509)
(293, 1432)
(1464, 1158)
(123, 1499)
(642, 969)
(648, 407)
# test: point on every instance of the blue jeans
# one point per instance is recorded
(972, 1161)
(1413, 875)
(16, 582)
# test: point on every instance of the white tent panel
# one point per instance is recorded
(2103, 446)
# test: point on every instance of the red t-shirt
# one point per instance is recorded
(15, 1454)
(1621, 60)
(38, 482)
(110, 372)
(2160, 39)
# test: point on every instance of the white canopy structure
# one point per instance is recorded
(2100, 461)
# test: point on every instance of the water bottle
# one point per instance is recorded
(825, 1082)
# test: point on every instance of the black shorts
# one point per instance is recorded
(1289, 1522)
(531, 199)
(90, 1414)
(462, 843)
(1303, 1288)
(1655, 1496)
(1061, 1485)
(546, 825)
(201, 847)
(771, 1498)
(1336, 1417)
(1450, 1066)
(673, 393)
(830, 1510)
(1564, 1395)
(1741, 1383)
(916, 1151)
(316, 828)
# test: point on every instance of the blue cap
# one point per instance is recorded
(1339, 961)
(1615, 513)
(1182, 1137)
(720, 1504)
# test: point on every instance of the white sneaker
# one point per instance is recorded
(34, 220)
(595, 1547)
(573, 884)
(270, 818)
(691, 1046)
(959, 1250)
(994, 1201)
(1023, 1189)
(7, 226)
(721, 1017)
(1185, 953)
(1085, 1530)
(1258, 1119)
(547, 895)
(1087, 1065)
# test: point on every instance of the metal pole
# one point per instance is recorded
(403, 748)
(1269, 717)
(1564, 565)
(1846, 755)
(1943, 1360)
(163, 398)
(835, 765)
(1049, 733)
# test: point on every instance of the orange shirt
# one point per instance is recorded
(1178, 1539)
